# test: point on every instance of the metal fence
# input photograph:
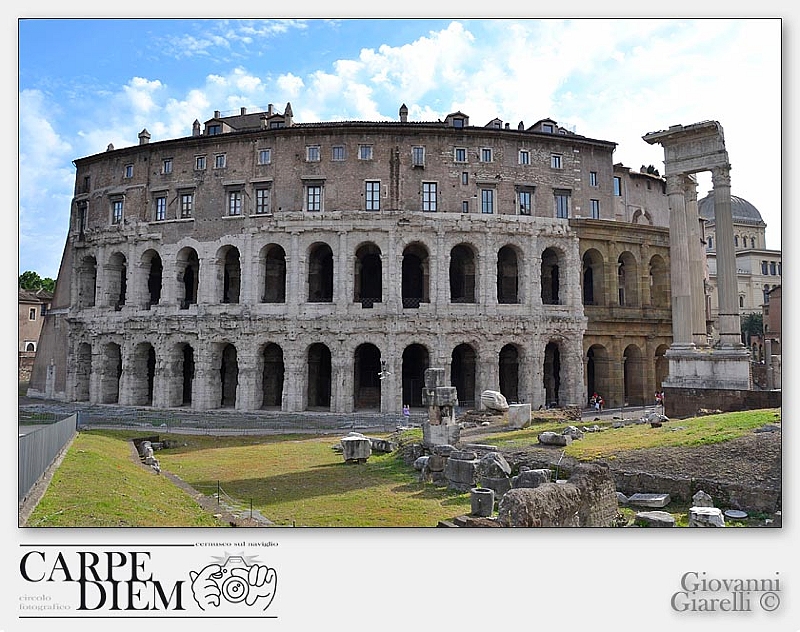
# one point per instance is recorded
(38, 450)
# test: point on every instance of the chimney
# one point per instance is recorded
(287, 115)
(403, 113)
(144, 137)
(216, 113)
(520, 127)
(243, 111)
(196, 128)
(508, 126)
(110, 147)
(270, 110)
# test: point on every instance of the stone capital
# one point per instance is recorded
(721, 176)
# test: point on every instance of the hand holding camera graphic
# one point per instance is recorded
(236, 582)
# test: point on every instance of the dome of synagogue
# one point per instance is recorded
(741, 210)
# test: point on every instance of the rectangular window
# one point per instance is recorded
(213, 130)
(617, 186)
(592, 178)
(429, 196)
(128, 171)
(372, 195)
(161, 208)
(562, 204)
(187, 202)
(486, 154)
(465, 206)
(418, 156)
(263, 200)
(116, 212)
(32, 314)
(219, 161)
(595, 208)
(458, 122)
(764, 265)
(264, 156)
(234, 203)
(314, 197)
(772, 268)
(200, 163)
(337, 153)
(547, 128)
(525, 203)
(312, 153)
(555, 161)
(524, 157)
(166, 166)
(365, 152)
(465, 177)
(460, 154)
(487, 201)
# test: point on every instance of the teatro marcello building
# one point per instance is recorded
(266, 264)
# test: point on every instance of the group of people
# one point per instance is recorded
(597, 402)
(659, 398)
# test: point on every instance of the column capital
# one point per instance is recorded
(721, 176)
(690, 188)
(675, 184)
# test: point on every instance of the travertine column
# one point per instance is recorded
(729, 325)
(696, 263)
(679, 264)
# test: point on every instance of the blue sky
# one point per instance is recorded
(85, 83)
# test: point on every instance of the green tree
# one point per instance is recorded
(752, 325)
(30, 280)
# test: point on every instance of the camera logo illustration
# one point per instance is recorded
(234, 583)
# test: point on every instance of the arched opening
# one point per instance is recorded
(509, 373)
(462, 274)
(633, 376)
(507, 276)
(141, 377)
(187, 374)
(416, 271)
(117, 280)
(83, 372)
(550, 278)
(597, 373)
(87, 282)
(415, 361)
(367, 285)
(662, 366)
(229, 376)
(30, 347)
(462, 374)
(366, 379)
(273, 263)
(272, 376)
(151, 262)
(593, 274)
(320, 274)
(552, 374)
(659, 282)
(188, 269)
(627, 286)
(111, 373)
(231, 273)
(319, 376)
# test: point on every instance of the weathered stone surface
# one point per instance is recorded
(382, 445)
(436, 463)
(622, 499)
(440, 434)
(598, 498)
(553, 438)
(573, 432)
(446, 396)
(461, 475)
(549, 505)
(443, 450)
(519, 415)
(701, 499)
(654, 519)
(463, 455)
(706, 517)
(434, 377)
(494, 400)
(420, 463)
(494, 465)
(356, 448)
(649, 500)
(531, 478)
(481, 501)
(500, 485)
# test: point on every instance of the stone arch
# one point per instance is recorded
(111, 373)
(552, 260)
(627, 280)
(509, 368)
(141, 376)
(272, 267)
(117, 280)
(272, 376)
(415, 278)
(87, 282)
(633, 376)
(463, 274)
(153, 276)
(551, 373)
(229, 274)
(416, 358)
(186, 373)
(319, 376)
(508, 275)
(368, 275)
(228, 376)
(320, 273)
(188, 276)
(593, 278)
(463, 369)
(642, 217)
(366, 378)
(659, 282)
(598, 369)
(83, 372)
